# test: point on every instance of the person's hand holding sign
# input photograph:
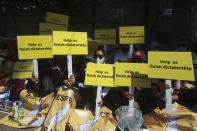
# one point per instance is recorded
(128, 95)
(35, 80)
(70, 81)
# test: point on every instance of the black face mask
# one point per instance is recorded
(124, 49)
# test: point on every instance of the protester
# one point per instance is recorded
(99, 56)
(52, 75)
(138, 57)
(124, 54)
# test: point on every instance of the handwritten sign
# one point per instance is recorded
(92, 46)
(99, 75)
(34, 47)
(105, 36)
(70, 43)
(170, 65)
(132, 74)
(57, 18)
(23, 69)
(131, 35)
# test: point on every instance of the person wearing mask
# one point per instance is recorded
(52, 75)
(124, 54)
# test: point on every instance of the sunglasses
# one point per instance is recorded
(99, 56)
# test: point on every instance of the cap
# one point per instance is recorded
(138, 54)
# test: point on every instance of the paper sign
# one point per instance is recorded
(170, 65)
(105, 36)
(49, 27)
(131, 35)
(70, 43)
(99, 75)
(92, 46)
(34, 47)
(46, 32)
(23, 69)
(132, 74)
(57, 18)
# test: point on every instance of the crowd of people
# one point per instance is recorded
(53, 73)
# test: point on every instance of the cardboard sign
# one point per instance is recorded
(23, 69)
(170, 65)
(70, 43)
(99, 75)
(105, 36)
(131, 35)
(34, 47)
(132, 74)
(57, 18)
(47, 28)
(92, 46)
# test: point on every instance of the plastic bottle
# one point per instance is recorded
(20, 109)
(15, 113)
(6, 100)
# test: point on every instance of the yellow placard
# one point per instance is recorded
(46, 32)
(99, 75)
(23, 69)
(132, 75)
(34, 47)
(57, 18)
(92, 46)
(131, 35)
(105, 36)
(49, 27)
(170, 65)
(70, 43)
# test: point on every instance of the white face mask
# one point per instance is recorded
(100, 61)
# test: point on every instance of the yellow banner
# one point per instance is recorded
(99, 75)
(70, 43)
(105, 36)
(131, 35)
(34, 47)
(170, 65)
(57, 18)
(49, 27)
(132, 75)
(23, 69)
(92, 46)
(58, 114)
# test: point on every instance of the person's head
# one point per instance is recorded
(154, 46)
(184, 44)
(99, 54)
(137, 57)
(125, 48)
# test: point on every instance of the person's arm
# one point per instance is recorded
(125, 93)
(70, 81)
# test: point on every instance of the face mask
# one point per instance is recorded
(100, 61)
